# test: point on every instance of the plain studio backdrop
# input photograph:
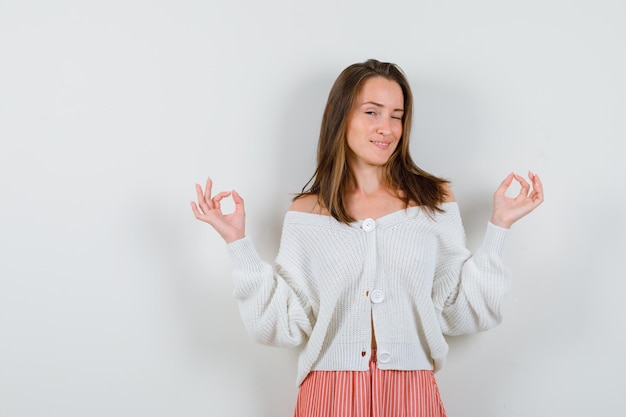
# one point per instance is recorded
(115, 301)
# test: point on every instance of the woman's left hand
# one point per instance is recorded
(508, 210)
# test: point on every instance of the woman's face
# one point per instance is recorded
(375, 124)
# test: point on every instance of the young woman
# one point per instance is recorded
(372, 269)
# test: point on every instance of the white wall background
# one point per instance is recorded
(115, 301)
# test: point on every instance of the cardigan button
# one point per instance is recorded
(368, 225)
(384, 357)
(377, 296)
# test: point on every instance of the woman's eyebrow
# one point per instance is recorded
(373, 103)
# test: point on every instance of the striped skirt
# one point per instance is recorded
(372, 393)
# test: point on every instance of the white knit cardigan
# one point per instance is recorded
(407, 272)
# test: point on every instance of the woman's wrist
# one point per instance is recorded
(500, 222)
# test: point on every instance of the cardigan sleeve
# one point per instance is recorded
(468, 290)
(273, 307)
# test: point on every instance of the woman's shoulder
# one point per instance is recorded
(304, 203)
(308, 203)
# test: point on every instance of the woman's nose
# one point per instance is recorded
(384, 126)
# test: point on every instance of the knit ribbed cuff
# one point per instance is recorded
(495, 239)
(244, 255)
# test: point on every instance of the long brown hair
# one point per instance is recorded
(333, 175)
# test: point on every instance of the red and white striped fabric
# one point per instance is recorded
(372, 393)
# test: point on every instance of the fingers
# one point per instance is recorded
(537, 194)
(525, 191)
(506, 183)
(215, 201)
(199, 213)
(207, 191)
(237, 198)
(537, 185)
(195, 210)
(525, 187)
(238, 201)
(202, 201)
(206, 203)
(534, 194)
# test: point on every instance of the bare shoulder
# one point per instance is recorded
(306, 204)
(449, 198)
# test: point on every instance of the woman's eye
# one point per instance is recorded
(371, 113)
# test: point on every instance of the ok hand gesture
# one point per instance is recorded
(507, 210)
(230, 226)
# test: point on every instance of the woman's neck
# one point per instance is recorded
(370, 197)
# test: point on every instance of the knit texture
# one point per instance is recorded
(408, 272)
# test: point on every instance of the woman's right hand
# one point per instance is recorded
(230, 226)
(508, 210)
